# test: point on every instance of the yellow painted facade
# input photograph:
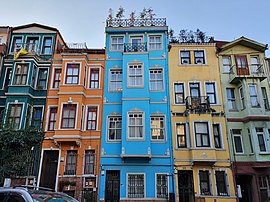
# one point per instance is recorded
(200, 147)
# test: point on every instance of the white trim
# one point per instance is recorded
(164, 128)
(86, 116)
(12, 41)
(210, 182)
(109, 79)
(239, 135)
(187, 133)
(167, 175)
(22, 112)
(200, 87)
(226, 182)
(209, 134)
(42, 44)
(143, 185)
(58, 166)
(52, 77)
(118, 36)
(37, 77)
(204, 55)
(215, 89)
(61, 113)
(133, 63)
(155, 35)
(89, 76)
(163, 82)
(14, 72)
(184, 88)
(48, 116)
(257, 96)
(5, 77)
(143, 124)
(79, 74)
(221, 135)
(107, 128)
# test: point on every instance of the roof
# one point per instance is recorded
(244, 42)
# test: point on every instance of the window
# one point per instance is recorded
(202, 134)
(94, 78)
(162, 186)
(217, 135)
(114, 128)
(135, 125)
(42, 79)
(89, 162)
(185, 57)
(36, 117)
(33, 81)
(242, 98)
(194, 89)
(241, 61)
(14, 115)
(264, 187)
(71, 163)
(237, 139)
(265, 98)
(91, 118)
(179, 93)
(72, 74)
(250, 141)
(254, 64)
(56, 78)
(157, 127)
(7, 78)
(47, 45)
(68, 116)
(261, 140)
(199, 57)
(231, 99)
(115, 80)
(135, 75)
(226, 64)
(221, 183)
(32, 44)
(155, 42)
(135, 185)
(204, 182)
(52, 118)
(21, 73)
(156, 80)
(117, 43)
(253, 96)
(211, 92)
(17, 44)
(181, 135)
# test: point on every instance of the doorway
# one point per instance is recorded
(112, 192)
(185, 186)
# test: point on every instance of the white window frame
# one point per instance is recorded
(226, 183)
(242, 97)
(135, 75)
(53, 75)
(215, 91)
(184, 92)
(180, 58)
(42, 44)
(204, 57)
(89, 75)
(193, 82)
(61, 114)
(221, 135)
(167, 175)
(226, 65)
(143, 126)
(209, 134)
(16, 103)
(257, 96)
(79, 76)
(42, 114)
(38, 49)
(143, 185)
(238, 135)
(265, 98)
(210, 182)
(37, 77)
(164, 126)
(155, 43)
(252, 65)
(108, 127)
(14, 72)
(11, 50)
(48, 116)
(5, 78)
(155, 79)
(187, 134)
(117, 36)
(233, 100)
(264, 139)
(86, 117)
(110, 80)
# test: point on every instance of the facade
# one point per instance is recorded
(246, 93)
(4, 36)
(136, 156)
(72, 122)
(199, 135)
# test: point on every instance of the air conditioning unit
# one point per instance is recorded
(89, 182)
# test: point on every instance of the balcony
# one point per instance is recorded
(198, 104)
(135, 47)
(3, 49)
(251, 71)
(136, 22)
(31, 48)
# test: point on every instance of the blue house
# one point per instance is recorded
(136, 154)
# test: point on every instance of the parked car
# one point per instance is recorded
(26, 194)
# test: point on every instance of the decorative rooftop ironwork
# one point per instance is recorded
(77, 45)
(135, 47)
(136, 22)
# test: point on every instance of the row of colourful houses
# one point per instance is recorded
(143, 119)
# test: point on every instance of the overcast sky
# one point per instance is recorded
(84, 20)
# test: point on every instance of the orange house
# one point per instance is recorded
(72, 122)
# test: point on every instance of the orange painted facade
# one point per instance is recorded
(72, 121)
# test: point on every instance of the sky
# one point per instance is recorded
(84, 20)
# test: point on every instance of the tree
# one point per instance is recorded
(143, 13)
(120, 13)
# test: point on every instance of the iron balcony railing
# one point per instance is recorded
(135, 47)
(253, 69)
(135, 22)
(197, 103)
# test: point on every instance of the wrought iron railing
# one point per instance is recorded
(199, 103)
(253, 69)
(135, 47)
(136, 22)
(77, 45)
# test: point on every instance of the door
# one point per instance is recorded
(241, 65)
(245, 182)
(49, 169)
(185, 186)
(195, 94)
(112, 192)
(137, 44)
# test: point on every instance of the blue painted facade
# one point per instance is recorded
(136, 129)
(24, 80)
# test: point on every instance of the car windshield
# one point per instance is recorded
(52, 197)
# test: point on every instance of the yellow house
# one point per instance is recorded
(201, 153)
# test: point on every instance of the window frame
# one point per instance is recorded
(18, 117)
(219, 136)
(134, 76)
(34, 46)
(41, 116)
(226, 65)
(72, 76)
(226, 184)
(115, 128)
(167, 185)
(20, 75)
(155, 43)
(144, 185)
(49, 121)
(184, 58)
(252, 65)
(163, 129)
(7, 81)
(111, 81)
(54, 80)
(190, 88)
(261, 134)
(74, 119)
(41, 79)
(14, 49)
(265, 98)
(242, 97)
(44, 46)
(241, 139)
(95, 121)
(202, 134)
(136, 138)
(96, 82)
(75, 155)
(254, 96)
(117, 44)
(203, 57)
(207, 93)
(155, 81)
(180, 93)
(231, 99)
(184, 135)
(88, 154)
(209, 182)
